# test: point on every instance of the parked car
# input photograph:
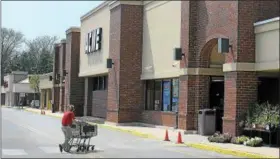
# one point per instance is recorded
(35, 104)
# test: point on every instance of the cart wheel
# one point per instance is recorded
(78, 149)
(87, 148)
(67, 148)
(92, 147)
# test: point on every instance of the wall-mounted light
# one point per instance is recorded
(50, 78)
(223, 45)
(65, 72)
(178, 54)
(109, 63)
(175, 64)
(148, 67)
(57, 76)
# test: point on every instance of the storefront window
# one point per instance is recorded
(150, 87)
(95, 83)
(166, 95)
(162, 95)
(100, 83)
(158, 95)
(175, 95)
(105, 82)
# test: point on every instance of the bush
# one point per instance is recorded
(220, 138)
(239, 140)
(262, 114)
(254, 142)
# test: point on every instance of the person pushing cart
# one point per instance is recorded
(74, 129)
(67, 120)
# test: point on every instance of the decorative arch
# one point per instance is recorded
(207, 50)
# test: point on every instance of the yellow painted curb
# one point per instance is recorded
(226, 151)
(30, 110)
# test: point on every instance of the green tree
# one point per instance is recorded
(11, 42)
(34, 81)
(39, 54)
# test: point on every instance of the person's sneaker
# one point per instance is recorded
(60, 148)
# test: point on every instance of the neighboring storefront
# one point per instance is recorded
(267, 60)
(67, 88)
(145, 82)
(45, 87)
(16, 88)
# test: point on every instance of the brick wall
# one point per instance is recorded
(241, 87)
(202, 22)
(194, 95)
(68, 68)
(61, 98)
(113, 74)
(99, 103)
(126, 28)
(55, 90)
(250, 12)
(55, 97)
(62, 53)
(74, 86)
(159, 118)
(240, 92)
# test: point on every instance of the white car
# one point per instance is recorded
(35, 104)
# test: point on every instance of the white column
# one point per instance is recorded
(85, 97)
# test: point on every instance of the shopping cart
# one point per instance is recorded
(82, 133)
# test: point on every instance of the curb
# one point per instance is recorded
(206, 147)
(220, 150)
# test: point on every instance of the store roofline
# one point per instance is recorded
(267, 21)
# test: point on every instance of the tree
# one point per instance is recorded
(39, 54)
(34, 82)
(11, 41)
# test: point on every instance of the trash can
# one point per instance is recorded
(206, 122)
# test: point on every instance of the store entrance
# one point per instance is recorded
(217, 100)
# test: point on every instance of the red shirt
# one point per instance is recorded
(67, 118)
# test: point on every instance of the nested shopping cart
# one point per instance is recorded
(82, 133)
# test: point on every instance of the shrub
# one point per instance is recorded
(254, 142)
(220, 138)
(239, 140)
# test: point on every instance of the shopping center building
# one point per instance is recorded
(147, 84)
(67, 88)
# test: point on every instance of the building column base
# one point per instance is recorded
(186, 121)
(231, 126)
(122, 116)
(112, 116)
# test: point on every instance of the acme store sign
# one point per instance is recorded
(93, 41)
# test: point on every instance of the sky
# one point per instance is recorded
(38, 18)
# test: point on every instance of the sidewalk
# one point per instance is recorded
(191, 140)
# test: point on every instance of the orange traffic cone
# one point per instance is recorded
(166, 136)
(179, 139)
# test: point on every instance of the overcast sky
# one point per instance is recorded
(36, 18)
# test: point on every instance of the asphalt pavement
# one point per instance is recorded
(29, 135)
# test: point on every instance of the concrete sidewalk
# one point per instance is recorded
(192, 140)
